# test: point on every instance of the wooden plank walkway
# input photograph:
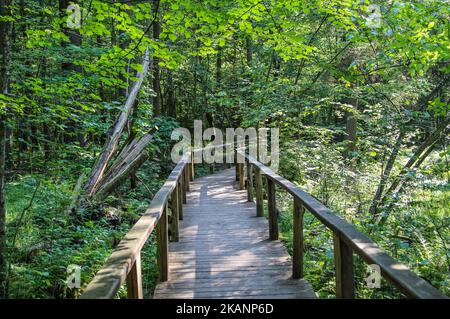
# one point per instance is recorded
(224, 250)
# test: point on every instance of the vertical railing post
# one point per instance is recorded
(259, 193)
(175, 206)
(186, 177)
(181, 198)
(241, 176)
(134, 280)
(236, 165)
(343, 260)
(273, 213)
(183, 186)
(249, 181)
(163, 246)
(192, 171)
(297, 264)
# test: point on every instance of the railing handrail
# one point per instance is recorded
(396, 273)
(119, 265)
(108, 280)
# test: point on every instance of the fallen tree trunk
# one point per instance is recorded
(429, 141)
(115, 132)
(118, 178)
(128, 161)
(414, 163)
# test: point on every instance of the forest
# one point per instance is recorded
(91, 91)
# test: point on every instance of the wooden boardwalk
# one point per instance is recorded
(224, 250)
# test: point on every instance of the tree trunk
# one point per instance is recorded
(386, 172)
(3, 248)
(171, 103)
(128, 161)
(73, 34)
(5, 46)
(116, 131)
(249, 50)
(415, 161)
(350, 128)
(429, 141)
(219, 67)
(156, 70)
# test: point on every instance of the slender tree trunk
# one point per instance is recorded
(73, 34)
(123, 43)
(350, 127)
(171, 103)
(219, 67)
(3, 248)
(276, 62)
(350, 116)
(8, 145)
(415, 161)
(156, 69)
(5, 46)
(21, 138)
(249, 50)
(386, 173)
(430, 140)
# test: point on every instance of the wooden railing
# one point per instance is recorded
(124, 264)
(347, 240)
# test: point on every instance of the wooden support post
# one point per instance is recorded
(134, 280)
(273, 212)
(192, 171)
(236, 166)
(181, 199)
(175, 205)
(163, 247)
(186, 177)
(183, 187)
(343, 262)
(297, 264)
(241, 176)
(259, 193)
(249, 182)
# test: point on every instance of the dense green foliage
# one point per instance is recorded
(362, 106)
